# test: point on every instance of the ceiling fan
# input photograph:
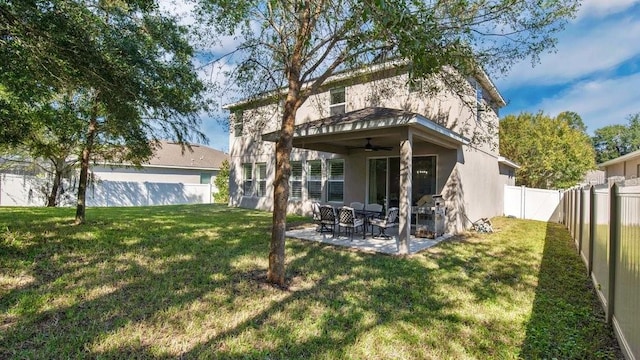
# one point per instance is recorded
(371, 147)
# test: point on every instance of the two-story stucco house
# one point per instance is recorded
(373, 136)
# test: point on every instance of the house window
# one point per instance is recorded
(335, 180)
(247, 179)
(314, 179)
(237, 122)
(205, 178)
(261, 179)
(295, 180)
(338, 101)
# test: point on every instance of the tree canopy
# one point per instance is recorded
(290, 43)
(613, 141)
(126, 66)
(553, 153)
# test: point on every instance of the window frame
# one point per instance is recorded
(247, 179)
(314, 179)
(332, 182)
(296, 181)
(340, 106)
(261, 179)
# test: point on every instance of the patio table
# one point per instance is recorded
(367, 215)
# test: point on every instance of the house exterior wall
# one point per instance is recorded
(469, 178)
(151, 174)
(628, 169)
(391, 90)
(615, 170)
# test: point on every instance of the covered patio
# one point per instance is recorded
(369, 243)
(390, 140)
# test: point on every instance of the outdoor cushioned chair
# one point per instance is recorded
(356, 205)
(389, 221)
(348, 220)
(315, 214)
(328, 218)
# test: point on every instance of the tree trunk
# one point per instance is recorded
(276, 271)
(84, 164)
(52, 201)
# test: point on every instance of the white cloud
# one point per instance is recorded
(602, 8)
(598, 102)
(581, 52)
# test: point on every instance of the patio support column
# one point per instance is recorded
(406, 155)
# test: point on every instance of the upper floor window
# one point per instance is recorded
(314, 179)
(295, 180)
(261, 179)
(338, 102)
(335, 180)
(236, 118)
(247, 179)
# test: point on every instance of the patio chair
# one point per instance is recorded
(348, 220)
(315, 214)
(388, 222)
(356, 205)
(328, 218)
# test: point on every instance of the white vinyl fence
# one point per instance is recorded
(533, 204)
(605, 224)
(19, 190)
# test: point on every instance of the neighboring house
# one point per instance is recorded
(623, 167)
(375, 137)
(170, 164)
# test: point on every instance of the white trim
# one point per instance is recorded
(504, 160)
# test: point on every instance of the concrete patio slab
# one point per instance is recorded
(369, 244)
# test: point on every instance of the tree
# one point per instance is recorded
(127, 66)
(287, 44)
(553, 153)
(613, 141)
(222, 183)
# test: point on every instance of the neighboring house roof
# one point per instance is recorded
(171, 155)
(619, 159)
(201, 157)
(369, 119)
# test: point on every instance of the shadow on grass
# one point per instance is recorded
(567, 321)
(103, 289)
(189, 282)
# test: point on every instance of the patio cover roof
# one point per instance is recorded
(337, 133)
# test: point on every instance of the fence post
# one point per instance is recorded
(581, 220)
(523, 198)
(592, 227)
(614, 233)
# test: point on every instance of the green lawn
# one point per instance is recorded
(165, 282)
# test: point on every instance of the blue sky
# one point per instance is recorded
(595, 71)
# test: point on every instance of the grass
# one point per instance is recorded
(189, 281)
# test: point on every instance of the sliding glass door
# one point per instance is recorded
(384, 179)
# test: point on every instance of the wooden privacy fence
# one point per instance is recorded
(605, 224)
